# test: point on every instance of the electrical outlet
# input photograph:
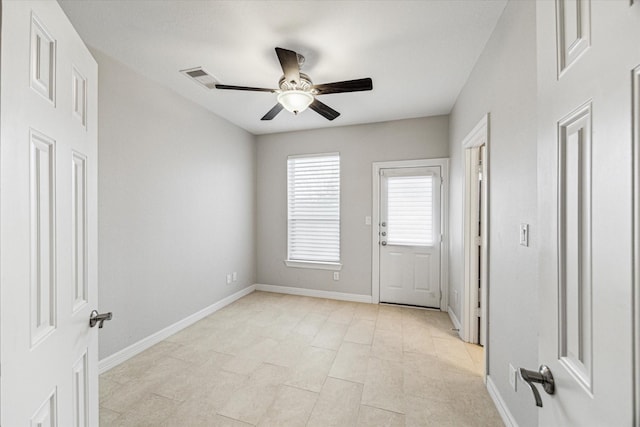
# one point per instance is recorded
(336, 275)
(234, 276)
(513, 377)
(228, 279)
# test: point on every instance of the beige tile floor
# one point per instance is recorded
(282, 360)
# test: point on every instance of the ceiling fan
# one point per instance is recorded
(297, 91)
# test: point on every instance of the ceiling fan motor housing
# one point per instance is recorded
(305, 84)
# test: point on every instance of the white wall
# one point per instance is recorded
(359, 147)
(503, 83)
(176, 206)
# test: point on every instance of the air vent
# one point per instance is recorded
(201, 77)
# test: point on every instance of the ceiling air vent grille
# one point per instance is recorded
(201, 77)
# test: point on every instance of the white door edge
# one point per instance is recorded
(443, 163)
(636, 242)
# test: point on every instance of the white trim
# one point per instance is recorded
(636, 241)
(443, 163)
(477, 137)
(334, 266)
(454, 320)
(314, 293)
(127, 353)
(478, 134)
(470, 248)
(302, 156)
(501, 405)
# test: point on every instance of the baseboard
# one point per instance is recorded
(315, 293)
(501, 406)
(455, 321)
(125, 354)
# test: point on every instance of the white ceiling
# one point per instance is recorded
(418, 53)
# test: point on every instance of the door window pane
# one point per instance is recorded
(410, 210)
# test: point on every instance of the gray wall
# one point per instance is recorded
(359, 147)
(176, 206)
(503, 83)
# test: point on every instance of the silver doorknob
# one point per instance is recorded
(544, 377)
(384, 233)
(95, 317)
(384, 224)
(383, 243)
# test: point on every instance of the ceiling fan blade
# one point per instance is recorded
(253, 89)
(273, 112)
(324, 110)
(289, 62)
(357, 85)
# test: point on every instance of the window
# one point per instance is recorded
(313, 184)
(410, 210)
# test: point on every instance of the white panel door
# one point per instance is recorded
(410, 236)
(587, 51)
(48, 202)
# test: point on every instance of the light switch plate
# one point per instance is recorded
(367, 220)
(524, 234)
(513, 377)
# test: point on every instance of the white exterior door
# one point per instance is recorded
(587, 53)
(48, 202)
(410, 236)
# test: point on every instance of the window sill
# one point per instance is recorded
(334, 266)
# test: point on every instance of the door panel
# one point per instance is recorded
(410, 236)
(586, 52)
(48, 219)
(423, 268)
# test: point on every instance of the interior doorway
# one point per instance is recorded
(476, 242)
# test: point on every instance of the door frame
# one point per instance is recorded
(1, 282)
(478, 137)
(443, 163)
(635, 171)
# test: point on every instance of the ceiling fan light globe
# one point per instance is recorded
(295, 101)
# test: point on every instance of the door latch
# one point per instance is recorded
(544, 377)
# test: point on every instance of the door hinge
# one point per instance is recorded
(478, 312)
(478, 240)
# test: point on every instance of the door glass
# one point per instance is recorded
(410, 210)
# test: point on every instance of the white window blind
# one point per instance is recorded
(314, 208)
(410, 210)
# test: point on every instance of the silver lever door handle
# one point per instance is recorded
(95, 317)
(544, 377)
